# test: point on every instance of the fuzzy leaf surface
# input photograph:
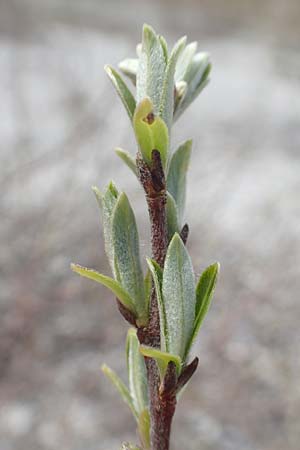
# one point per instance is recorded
(166, 108)
(178, 293)
(124, 93)
(128, 159)
(107, 202)
(176, 179)
(204, 293)
(125, 241)
(108, 282)
(136, 372)
(172, 216)
(157, 275)
(151, 70)
(122, 389)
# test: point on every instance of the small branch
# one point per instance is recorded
(162, 397)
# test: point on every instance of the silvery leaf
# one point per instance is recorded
(151, 70)
(127, 263)
(129, 67)
(204, 292)
(128, 159)
(137, 375)
(108, 282)
(178, 294)
(122, 389)
(176, 179)
(122, 90)
(166, 108)
(185, 60)
(172, 216)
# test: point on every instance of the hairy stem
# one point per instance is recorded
(162, 401)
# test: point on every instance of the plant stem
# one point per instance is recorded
(162, 401)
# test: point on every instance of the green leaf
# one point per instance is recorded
(172, 216)
(162, 358)
(108, 282)
(128, 446)
(122, 389)
(144, 429)
(107, 202)
(176, 179)
(197, 78)
(164, 47)
(148, 287)
(128, 159)
(157, 275)
(151, 68)
(151, 131)
(181, 90)
(204, 293)
(185, 60)
(166, 107)
(122, 90)
(136, 372)
(125, 241)
(129, 67)
(178, 293)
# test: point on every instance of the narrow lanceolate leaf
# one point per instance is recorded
(166, 107)
(176, 179)
(152, 64)
(185, 60)
(129, 67)
(157, 275)
(178, 293)
(144, 428)
(128, 159)
(164, 47)
(204, 293)
(108, 282)
(125, 241)
(122, 389)
(172, 216)
(196, 78)
(136, 372)
(122, 90)
(151, 131)
(107, 202)
(162, 358)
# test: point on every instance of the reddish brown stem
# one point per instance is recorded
(162, 401)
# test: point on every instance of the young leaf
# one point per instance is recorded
(164, 47)
(107, 202)
(157, 275)
(176, 179)
(128, 159)
(151, 131)
(172, 216)
(151, 68)
(122, 90)
(129, 67)
(204, 292)
(166, 107)
(162, 358)
(144, 428)
(178, 293)
(196, 77)
(125, 243)
(108, 282)
(122, 389)
(136, 372)
(185, 60)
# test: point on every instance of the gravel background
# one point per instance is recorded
(59, 122)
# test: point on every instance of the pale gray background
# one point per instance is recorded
(59, 122)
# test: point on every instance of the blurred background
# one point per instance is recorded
(59, 122)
